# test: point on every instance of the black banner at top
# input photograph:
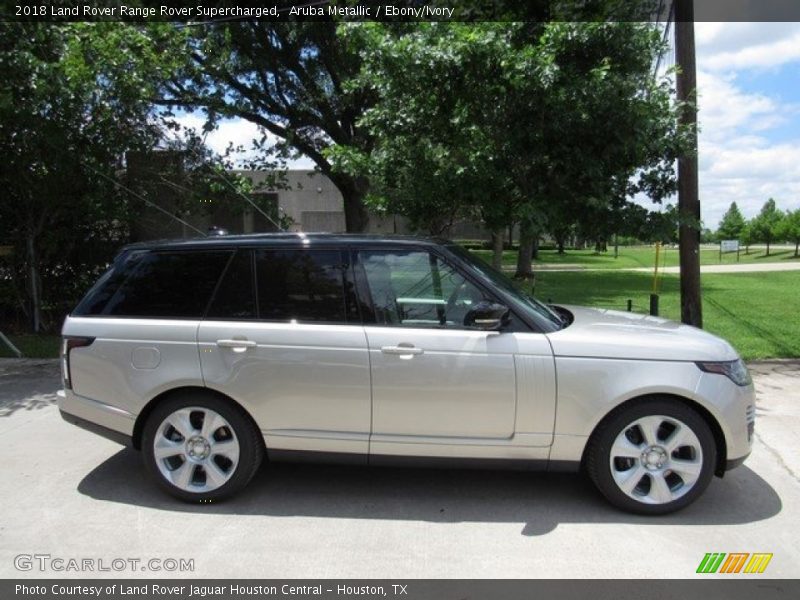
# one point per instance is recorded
(209, 12)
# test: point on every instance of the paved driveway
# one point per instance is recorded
(70, 494)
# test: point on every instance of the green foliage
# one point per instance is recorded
(766, 225)
(732, 224)
(545, 123)
(290, 79)
(63, 134)
(789, 229)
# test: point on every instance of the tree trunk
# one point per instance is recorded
(535, 249)
(525, 255)
(616, 246)
(796, 246)
(497, 248)
(510, 236)
(767, 246)
(354, 190)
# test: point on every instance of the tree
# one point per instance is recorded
(522, 122)
(747, 236)
(62, 137)
(732, 224)
(289, 78)
(790, 229)
(766, 225)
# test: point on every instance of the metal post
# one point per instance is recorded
(654, 304)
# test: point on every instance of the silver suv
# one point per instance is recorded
(208, 355)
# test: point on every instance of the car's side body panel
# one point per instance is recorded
(306, 386)
(132, 360)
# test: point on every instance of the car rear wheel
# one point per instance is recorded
(201, 448)
(653, 457)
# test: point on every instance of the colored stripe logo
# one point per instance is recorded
(734, 562)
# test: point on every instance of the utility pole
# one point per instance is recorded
(688, 192)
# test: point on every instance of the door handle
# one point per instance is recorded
(237, 345)
(401, 350)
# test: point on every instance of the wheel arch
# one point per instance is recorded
(144, 414)
(707, 416)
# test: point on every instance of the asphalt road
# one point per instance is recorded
(70, 494)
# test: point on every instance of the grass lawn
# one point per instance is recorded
(756, 312)
(32, 346)
(640, 256)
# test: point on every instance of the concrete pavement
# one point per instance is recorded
(70, 494)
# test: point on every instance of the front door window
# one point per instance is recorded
(417, 289)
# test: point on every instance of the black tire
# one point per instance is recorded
(251, 444)
(598, 454)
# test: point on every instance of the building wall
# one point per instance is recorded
(311, 200)
(307, 197)
(315, 204)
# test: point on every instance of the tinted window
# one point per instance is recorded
(108, 284)
(417, 289)
(235, 296)
(301, 285)
(158, 284)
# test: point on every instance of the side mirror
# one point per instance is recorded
(487, 315)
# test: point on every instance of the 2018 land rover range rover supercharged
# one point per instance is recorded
(209, 355)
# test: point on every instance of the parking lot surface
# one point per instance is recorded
(70, 494)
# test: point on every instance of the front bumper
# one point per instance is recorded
(733, 407)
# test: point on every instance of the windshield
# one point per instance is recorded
(539, 310)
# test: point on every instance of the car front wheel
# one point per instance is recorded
(653, 457)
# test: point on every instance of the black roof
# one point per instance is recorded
(288, 239)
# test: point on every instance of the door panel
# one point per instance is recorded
(461, 385)
(307, 386)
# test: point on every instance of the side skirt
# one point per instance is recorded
(432, 462)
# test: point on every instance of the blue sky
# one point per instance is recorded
(748, 76)
(749, 86)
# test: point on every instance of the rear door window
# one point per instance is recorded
(235, 298)
(299, 285)
(157, 285)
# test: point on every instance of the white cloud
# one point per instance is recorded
(238, 132)
(726, 46)
(740, 159)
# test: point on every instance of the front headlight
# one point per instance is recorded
(735, 370)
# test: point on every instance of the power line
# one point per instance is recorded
(143, 199)
(228, 182)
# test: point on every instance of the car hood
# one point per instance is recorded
(615, 334)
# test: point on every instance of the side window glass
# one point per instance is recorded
(168, 285)
(301, 285)
(417, 289)
(96, 299)
(235, 296)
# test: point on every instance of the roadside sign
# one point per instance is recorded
(729, 245)
(726, 246)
